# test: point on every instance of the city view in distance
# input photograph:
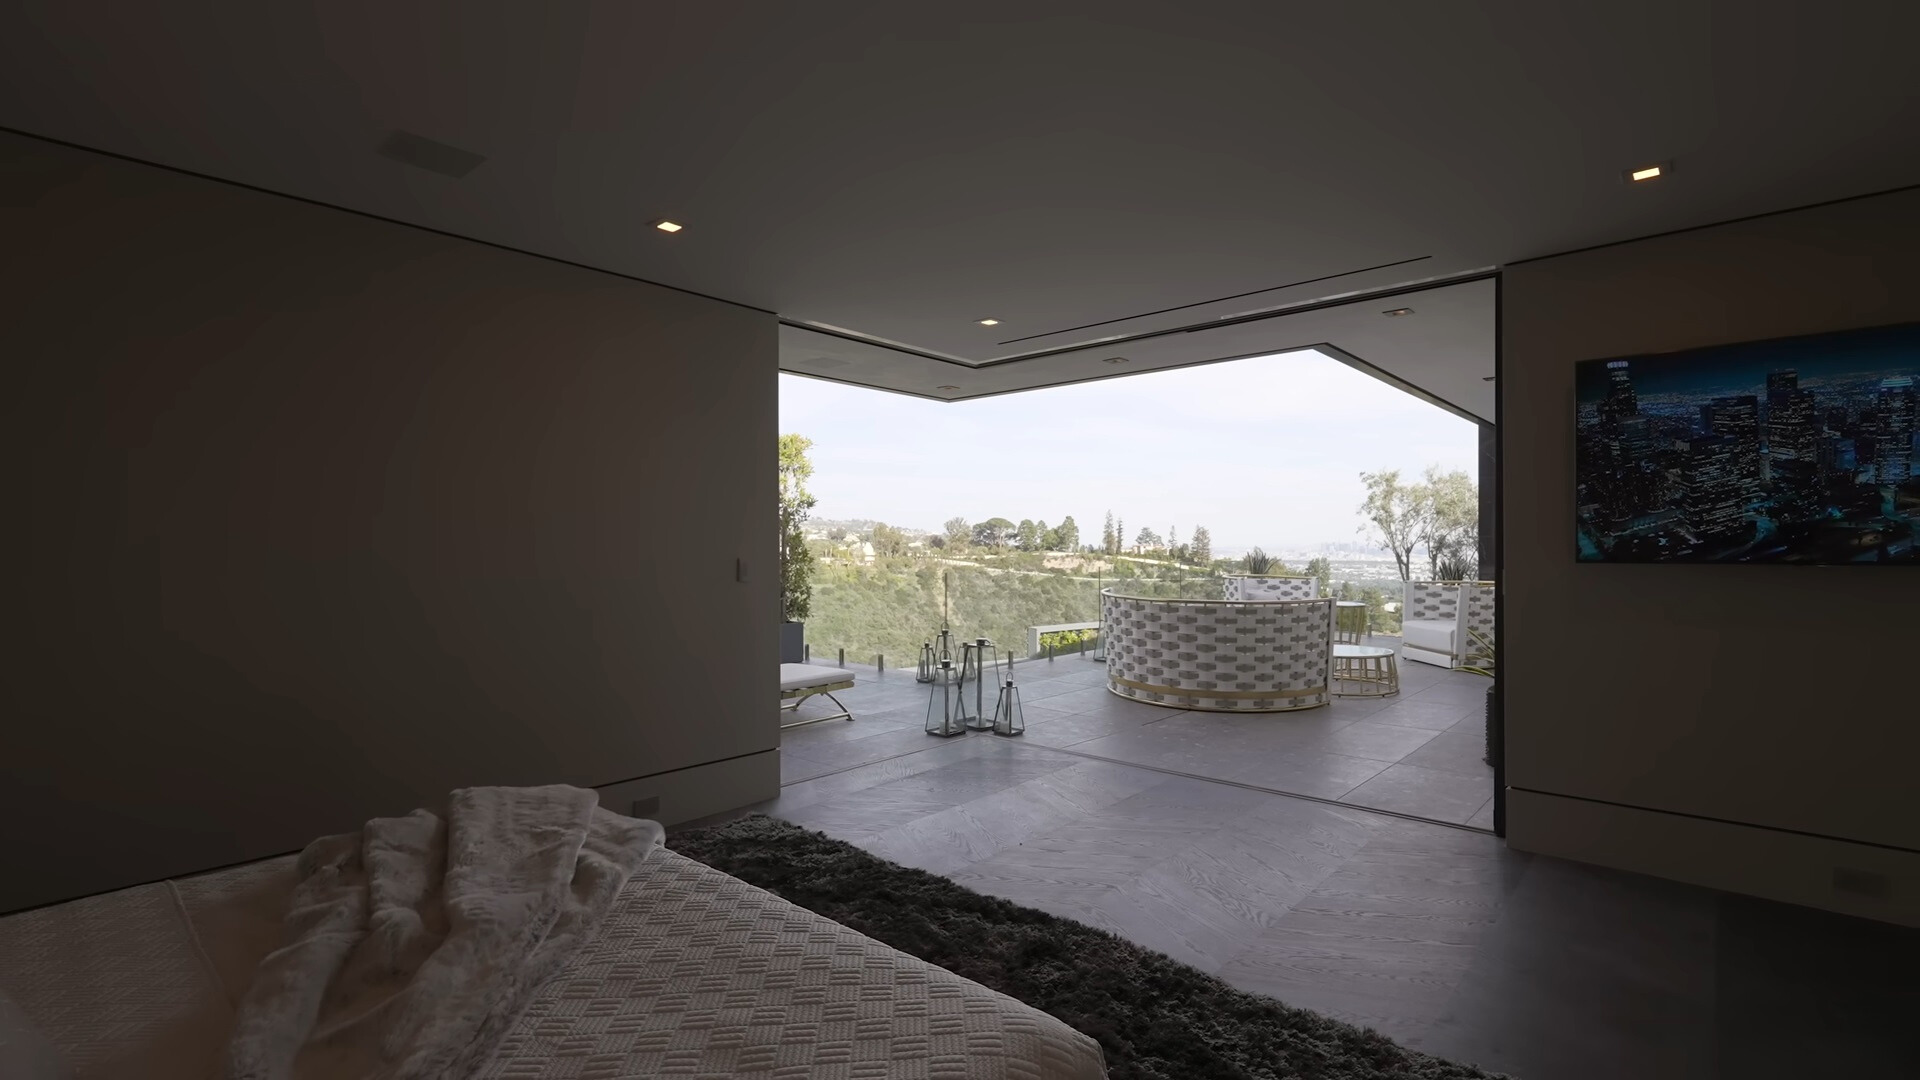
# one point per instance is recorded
(1798, 450)
(992, 515)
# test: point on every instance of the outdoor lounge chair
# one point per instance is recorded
(1436, 619)
(798, 682)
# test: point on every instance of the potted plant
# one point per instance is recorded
(796, 558)
(1485, 653)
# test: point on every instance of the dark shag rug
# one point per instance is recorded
(1155, 1018)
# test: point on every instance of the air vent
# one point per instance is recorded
(423, 153)
(1860, 882)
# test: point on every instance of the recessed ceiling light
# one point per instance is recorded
(668, 226)
(989, 322)
(948, 388)
(1649, 172)
(1395, 313)
(1114, 360)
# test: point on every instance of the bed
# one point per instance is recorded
(693, 973)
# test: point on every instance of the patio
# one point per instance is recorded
(1417, 753)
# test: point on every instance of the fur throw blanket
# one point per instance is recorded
(412, 945)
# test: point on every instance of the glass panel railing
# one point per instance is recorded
(880, 612)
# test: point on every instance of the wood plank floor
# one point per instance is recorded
(1436, 935)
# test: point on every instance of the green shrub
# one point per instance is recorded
(1066, 641)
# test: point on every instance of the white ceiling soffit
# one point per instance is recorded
(1444, 348)
(1075, 170)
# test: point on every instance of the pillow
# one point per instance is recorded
(25, 1054)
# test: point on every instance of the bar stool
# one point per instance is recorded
(977, 658)
(1349, 622)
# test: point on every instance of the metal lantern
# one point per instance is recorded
(1008, 719)
(944, 704)
(977, 661)
(925, 672)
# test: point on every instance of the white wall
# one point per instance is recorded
(1754, 697)
(314, 517)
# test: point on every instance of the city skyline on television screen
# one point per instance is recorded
(1794, 450)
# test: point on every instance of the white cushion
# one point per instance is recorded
(801, 676)
(1434, 635)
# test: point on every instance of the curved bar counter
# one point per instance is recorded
(1219, 655)
(1270, 587)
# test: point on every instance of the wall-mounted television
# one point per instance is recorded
(1795, 450)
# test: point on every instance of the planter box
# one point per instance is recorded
(793, 643)
(1493, 730)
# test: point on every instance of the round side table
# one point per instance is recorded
(1365, 671)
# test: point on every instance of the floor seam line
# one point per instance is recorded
(1270, 791)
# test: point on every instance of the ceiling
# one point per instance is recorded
(1078, 170)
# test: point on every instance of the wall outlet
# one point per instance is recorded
(645, 808)
(1861, 882)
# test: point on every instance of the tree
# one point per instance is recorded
(1173, 537)
(1395, 512)
(1109, 541)
(1119, 534)
(994, 533)
(1379, 618)
(1450, 527)
(1202, 546)
(1067, 536)
(958, 532)
(796, 558)
(1147, 540)
(1028, 536)
(888, 540)
(1320, 570)
(1046, 536)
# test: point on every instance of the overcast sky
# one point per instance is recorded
(1263, 451)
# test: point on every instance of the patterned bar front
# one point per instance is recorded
(1220, 655)
(1273, 587)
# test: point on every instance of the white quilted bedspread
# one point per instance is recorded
(694, 974)
(698, 974)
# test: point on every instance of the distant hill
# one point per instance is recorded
(863, 526)
(1337, 549)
